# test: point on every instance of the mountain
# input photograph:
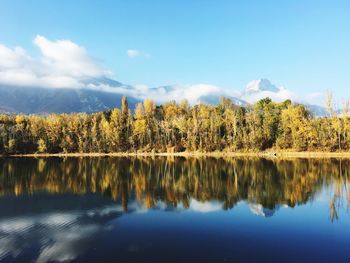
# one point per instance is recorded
(99, 94)
(259, 86)
(262, 88)
(102, 81)
(37, 100)
(317, 110)
(215, 99)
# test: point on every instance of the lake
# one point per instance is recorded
(167, 209)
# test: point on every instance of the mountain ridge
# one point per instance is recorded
(100, 94)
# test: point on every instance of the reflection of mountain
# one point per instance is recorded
(259, 210)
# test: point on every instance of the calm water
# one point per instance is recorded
(174, 210)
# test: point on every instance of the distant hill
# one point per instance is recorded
(100, 94)
(32, 100)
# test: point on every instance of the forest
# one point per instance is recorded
(178, 127)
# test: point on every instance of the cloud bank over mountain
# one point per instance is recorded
(262, 88)
(65, 64)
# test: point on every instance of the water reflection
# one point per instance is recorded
(54, 209)
(268, 183)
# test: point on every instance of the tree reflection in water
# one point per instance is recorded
(269, 183)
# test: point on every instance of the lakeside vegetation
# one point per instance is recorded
(178, 127)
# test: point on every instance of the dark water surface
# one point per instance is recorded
(174, 210)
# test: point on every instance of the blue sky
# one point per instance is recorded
(301, 44)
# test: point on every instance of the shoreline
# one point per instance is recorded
(272, 154)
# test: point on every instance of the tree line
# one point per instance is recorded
(178, 127)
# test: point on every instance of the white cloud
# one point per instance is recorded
(281, 95)
(134, 53)
(67, 58)
(61, 63)
(12, 58)
(192, 93)
(61, 236)
(318, 98)
(205, 207)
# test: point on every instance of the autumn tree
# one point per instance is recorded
(174, 127)
(124, 125)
